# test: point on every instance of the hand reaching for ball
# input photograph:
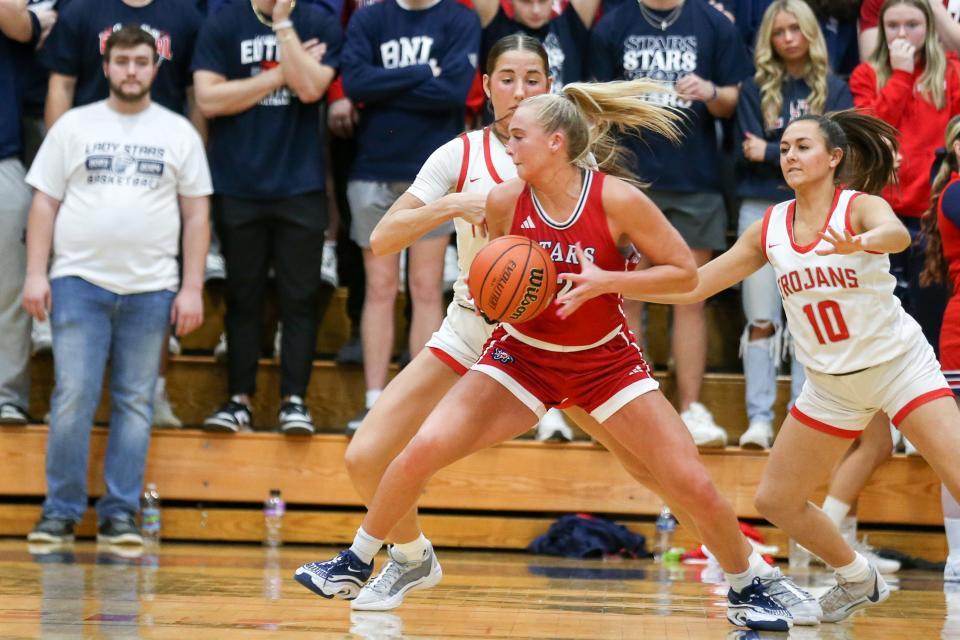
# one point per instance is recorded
(591, 282)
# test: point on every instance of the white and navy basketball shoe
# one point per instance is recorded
(802, 605)
(397, 577)
(756, 609)
(341, 577)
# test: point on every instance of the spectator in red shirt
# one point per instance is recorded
(946, 14)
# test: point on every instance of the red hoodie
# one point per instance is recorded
(920, 124)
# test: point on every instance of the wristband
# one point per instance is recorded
(283, 24)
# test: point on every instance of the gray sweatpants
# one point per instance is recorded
(14, 322)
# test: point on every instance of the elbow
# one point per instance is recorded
(206, 106)
(904, 240)
(379, 244)
(309, 94)
(689, 282)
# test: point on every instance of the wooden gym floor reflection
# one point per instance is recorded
(245, 591)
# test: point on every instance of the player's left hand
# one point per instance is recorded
(579, 287)
(282, 10)
(842, 243)
(187, 311)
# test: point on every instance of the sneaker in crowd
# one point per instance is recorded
(756, 609)
(398, 577)
(908, 447)
(119, 530)
(342, 577)
(846, 597)
(951, 569)
(351, 352)
(451, 268)
(759, 435)
(328, 264)
(278, 341)
(883, 565)
(173, 346)
(355, 423)
(802, 605)
(13, 415)
(220, 351)
(163, 415)
(231, 417)
(52, 530)
(216, 267)
(41, 336)
(552, 426)
(705, 432)
(294, 418)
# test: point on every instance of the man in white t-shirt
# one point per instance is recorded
(114, 180)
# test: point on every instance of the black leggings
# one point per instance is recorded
(287, 234)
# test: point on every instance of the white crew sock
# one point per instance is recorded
(372, 395)
(758, 569)
(365, 546)
(857, 571)
(411, 551)
(835, 510)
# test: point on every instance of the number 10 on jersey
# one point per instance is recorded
(827, 319)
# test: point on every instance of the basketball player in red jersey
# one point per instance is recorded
(829, 249)
(586, 359)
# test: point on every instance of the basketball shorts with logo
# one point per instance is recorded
(842, 405)
(600, 380)
(460, 339)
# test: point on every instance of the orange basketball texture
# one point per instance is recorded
(512, 279)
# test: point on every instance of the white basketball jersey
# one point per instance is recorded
(841, 310)
(485, 164)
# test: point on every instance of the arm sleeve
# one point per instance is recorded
(887, 103)
(950, 202)
(439, 174)
(209, 53)
(48, 173)
(193, 180)
(458, 65)
(363, 79)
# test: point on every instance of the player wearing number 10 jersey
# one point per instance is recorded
(863, 354)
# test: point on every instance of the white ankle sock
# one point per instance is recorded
(365, 546)
(758, 569)
(740, 581)
(371, 397)
(835, 510)
(759, 566)
(411, 551)
(857, 571)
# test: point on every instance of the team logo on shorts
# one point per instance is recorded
(502, 356)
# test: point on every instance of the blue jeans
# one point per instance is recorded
(763, 306)
(90, 325)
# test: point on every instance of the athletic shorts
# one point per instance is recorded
(460, 339)
(601, 380)
(701, 218)
(369, 201)
(842, 405)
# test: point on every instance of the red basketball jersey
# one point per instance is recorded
(950, 233)
(599, 319)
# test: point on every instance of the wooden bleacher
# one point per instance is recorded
(212, 484)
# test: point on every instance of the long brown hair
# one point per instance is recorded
(934, 264)
(869, 148)
(591, 114)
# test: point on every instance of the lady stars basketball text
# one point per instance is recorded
(817, 277)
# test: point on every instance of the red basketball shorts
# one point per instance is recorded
(600, 380)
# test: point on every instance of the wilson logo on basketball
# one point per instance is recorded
(531, 295)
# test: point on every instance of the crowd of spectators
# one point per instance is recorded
(316, 115)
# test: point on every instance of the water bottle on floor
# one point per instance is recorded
(273, 510)
(150, 514)
(666, 525)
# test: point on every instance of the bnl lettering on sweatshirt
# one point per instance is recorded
(406, 52)
(817, 277)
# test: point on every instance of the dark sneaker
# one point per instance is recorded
(756, 609)
(341, 577)
(355, 423)
(232, 417)
(295, 418)
(119, 530)
(12, 415)
(52, 530)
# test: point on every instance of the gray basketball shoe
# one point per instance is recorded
(386, 591)
(846, 597)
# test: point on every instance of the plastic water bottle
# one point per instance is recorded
(150, 514)
(273, 510)
(666, 525)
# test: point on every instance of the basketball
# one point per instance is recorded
(512, 279)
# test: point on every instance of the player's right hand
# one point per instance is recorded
(902, 55)
(472, 207)
(37, 300)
